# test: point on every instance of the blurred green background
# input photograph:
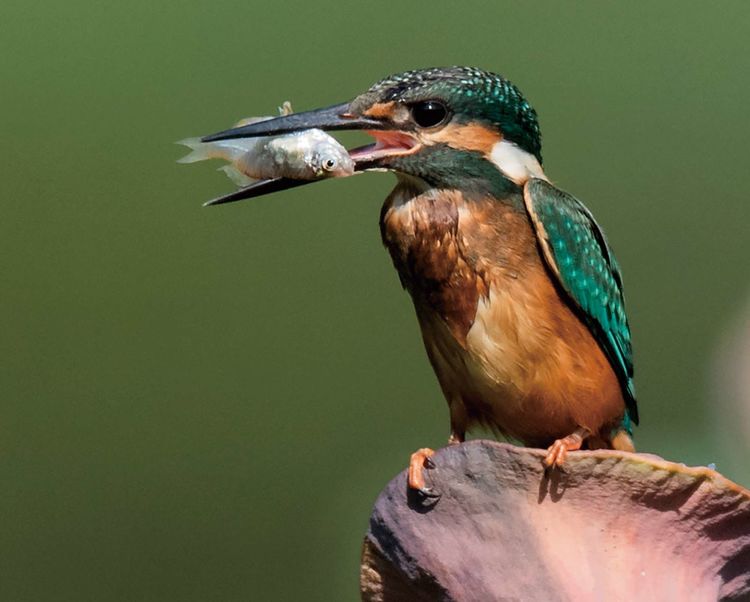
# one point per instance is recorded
(202, 404)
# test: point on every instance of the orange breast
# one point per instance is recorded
(502, 340)
(537, 372)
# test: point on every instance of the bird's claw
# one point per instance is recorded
(420, 460)
(558, 451)
(556, 454)
(427, 493)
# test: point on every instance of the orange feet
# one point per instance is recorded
(557, 452)
(623, 441)
(420, 460)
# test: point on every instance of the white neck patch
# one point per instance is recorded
(516, 163)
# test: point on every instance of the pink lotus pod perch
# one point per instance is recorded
(611, 526)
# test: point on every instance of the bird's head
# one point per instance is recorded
(456, 127)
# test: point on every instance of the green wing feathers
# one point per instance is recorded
(577, 253)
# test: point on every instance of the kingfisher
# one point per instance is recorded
(517, 292)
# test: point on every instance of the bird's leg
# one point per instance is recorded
(420, 460)
(456, 437)
(557, 452)
(458, 422)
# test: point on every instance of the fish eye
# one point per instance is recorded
(429, 113)
(330, 164)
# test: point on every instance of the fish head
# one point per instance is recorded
(332, 161)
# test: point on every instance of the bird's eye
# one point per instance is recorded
(329, 164)
(429, 113)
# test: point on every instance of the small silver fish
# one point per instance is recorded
(304, 155)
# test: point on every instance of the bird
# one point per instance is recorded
(517, 292)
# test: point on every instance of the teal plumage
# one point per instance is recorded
(475, 95)
(577, 253)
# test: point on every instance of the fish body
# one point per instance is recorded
(303, 155)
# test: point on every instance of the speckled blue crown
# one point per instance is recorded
(471, 91)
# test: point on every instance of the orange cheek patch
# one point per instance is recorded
(381, 110)
(470, 136)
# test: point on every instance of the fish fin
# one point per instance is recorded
(199, 150)
(239, 178)
(284, 109)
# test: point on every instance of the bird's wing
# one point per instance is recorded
(576, 252)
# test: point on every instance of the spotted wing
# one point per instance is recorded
(576, 252)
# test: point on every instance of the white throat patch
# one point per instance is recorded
(516, 163)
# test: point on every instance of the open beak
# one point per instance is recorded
(336, 117)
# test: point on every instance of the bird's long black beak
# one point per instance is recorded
(336, 117)
(332, 118)
(256, 189)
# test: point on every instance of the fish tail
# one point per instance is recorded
(200, 151)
